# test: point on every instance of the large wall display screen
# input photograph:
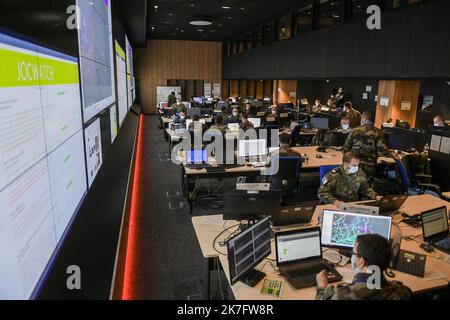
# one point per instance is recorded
(96, 56)
(42, 160)
(121, 82)
(94, 158)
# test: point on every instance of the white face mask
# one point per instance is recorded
(178, 103)
(274, 111)
(353, 169)
(354, 265)
(438, 124)
(182, 117)
(235, 114)
(345, 126)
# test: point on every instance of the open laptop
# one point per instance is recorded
(293, 215)
(234, 127)
(435, 228)
(196, 159)
(389, 205)
(299, 257)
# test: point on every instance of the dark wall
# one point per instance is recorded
(353, 88)
(440, 91)
(413, 43)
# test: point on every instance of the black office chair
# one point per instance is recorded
(287, 177)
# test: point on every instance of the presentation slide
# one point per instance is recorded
(96, 56)
(121, 83)
(129, 53)
(42, 170)
(113, 121)
(92, 135)
(130, 91)
(68, 184)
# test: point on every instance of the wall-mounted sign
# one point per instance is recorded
(369, 88)
(384, 101)
(405, 105)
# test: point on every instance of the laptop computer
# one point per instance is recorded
(293, 215)
(435, 228)
(196, 159)
(299, 257)
(389, 205)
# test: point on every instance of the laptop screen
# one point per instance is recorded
(298, 245)
(251, 148)
(256, 122)
(319, 123)
(434, 222)
(341, 228)
(233, 126)
(196, 156)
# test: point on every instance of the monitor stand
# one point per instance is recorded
(253, 277)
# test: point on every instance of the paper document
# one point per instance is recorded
(445, 145)
(435, 143)
(215, 219)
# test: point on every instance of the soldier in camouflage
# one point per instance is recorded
(369, 250)
(350, 111)
(367, 142)
(346, 183)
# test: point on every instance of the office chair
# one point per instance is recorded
(287, 177)
(414, 172)
(324, 170)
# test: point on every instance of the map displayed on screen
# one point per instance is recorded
(42, 166)
(96, 56)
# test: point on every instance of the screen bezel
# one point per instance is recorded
(431, 211)
(303, 230)
(338, 246)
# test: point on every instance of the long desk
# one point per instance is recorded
(437, 274)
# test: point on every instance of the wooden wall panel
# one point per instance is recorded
(178, 60)
(251, 88)
(234, 88)
(225, 89)
(286, 87)
(259, 89)
(243, 88)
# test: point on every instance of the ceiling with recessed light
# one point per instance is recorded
(222, 19)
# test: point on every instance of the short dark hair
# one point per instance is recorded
(345, 118)
(284, 138)
(375, 250)
(172, 93)
(348, 156)
(368, 115)
(195, 117)
(244, 116)
(219, 119)
(349, 104)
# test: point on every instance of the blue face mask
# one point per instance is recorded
(354, 265)
(353, 169)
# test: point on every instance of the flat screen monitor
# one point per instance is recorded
(253, 147)
(198, 100)
(248, 249)
(256, 122)
(193, 111)
(196, 156)
(340, 229)
(233, 126)
(242, 205)
(320, 123)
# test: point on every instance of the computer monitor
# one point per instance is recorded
(400, 141)
(340, 229)
(193, 111)
(247, 250)
(244, 205)
(320, 123)
(256, 122)
(434, 222)
(233, 126)
(198, 100)
(221, 104)
(402, 124)
(297, 245)
(252, 148)
(196, 156)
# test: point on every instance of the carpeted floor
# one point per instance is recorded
(169, 263)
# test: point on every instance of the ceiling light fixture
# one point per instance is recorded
(200, 23)
(225, 7)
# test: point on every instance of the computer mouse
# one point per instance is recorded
(319, 156)
(427, 248)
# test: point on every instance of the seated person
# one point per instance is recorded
(234, 118)
(317, 106)
(249, 110)
(223, 112)
(345, 124)
(285, 147)
(244, 123)
(439, 121)
(180, 117)
(331, 105)
(219, 124)
(178, 106)
(196, 123)
(350, 111)
(324, 136)
(346, 183)
(369, 250)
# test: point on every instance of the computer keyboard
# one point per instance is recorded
(312, 271)
(444, 243)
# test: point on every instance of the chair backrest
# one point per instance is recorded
(324, 170)
(406, 182)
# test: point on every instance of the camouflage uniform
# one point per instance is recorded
(285, 152)
(358, 290)
(353, 113)
(322, 138)
(179, 108)
(222, 128)
(338, 185)
(367, 142)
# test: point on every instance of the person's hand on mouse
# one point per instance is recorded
(321, 280)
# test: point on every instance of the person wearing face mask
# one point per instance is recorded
(178, 106)
(180, 117)
(346, 183)
(350, 111)
(245, 124)
(234, 117)
(439, 121)
(317, 106)
(368, 250)
(345, 124)
(367, 142)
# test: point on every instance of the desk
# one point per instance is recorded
(207, 228)
(331, 157)
(446, 195)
